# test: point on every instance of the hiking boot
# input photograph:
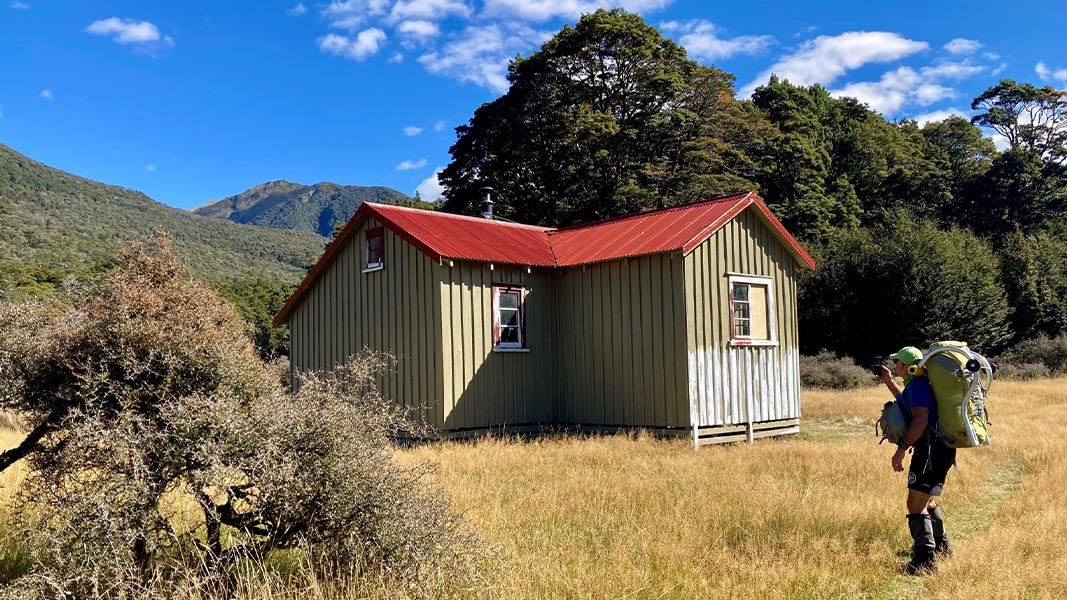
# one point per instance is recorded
(922, 550)
(937, 521)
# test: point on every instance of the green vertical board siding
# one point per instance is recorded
(391, 310)
(620, 347)
(739, 384)
(484, 387)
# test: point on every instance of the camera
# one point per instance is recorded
(877, 362)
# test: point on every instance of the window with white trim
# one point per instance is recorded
(374, 249)
(509, 319)
(752, 310)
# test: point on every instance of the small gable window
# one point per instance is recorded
(375, 249)
(752, 319)
(509, 318)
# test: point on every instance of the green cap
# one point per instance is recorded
(908, 355)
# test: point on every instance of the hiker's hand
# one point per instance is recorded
(898, 460)
(884, 375)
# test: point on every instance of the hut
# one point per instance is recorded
(681, 321)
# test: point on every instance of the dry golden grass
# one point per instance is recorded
(819, 515)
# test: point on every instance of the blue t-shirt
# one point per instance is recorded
(919, 394)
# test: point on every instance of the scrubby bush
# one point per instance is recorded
(165, 454)
(1051, 353)
(828, 371)
(1022, 371)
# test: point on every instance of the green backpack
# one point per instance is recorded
(961, 380)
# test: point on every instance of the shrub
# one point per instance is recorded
(167, 455)
(828, 371)
(1050, 353)
(1022, 371)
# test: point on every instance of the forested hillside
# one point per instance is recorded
(921, 232)
(53, 224)
(317, 208)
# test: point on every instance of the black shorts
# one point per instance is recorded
(930, 463)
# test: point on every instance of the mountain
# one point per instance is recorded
(54, 224)
(287, 205)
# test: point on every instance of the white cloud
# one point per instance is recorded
(701, 40)
(129, 31)
(297, 10)
(929, 93)
(826, 58)
(15, 4)
(1001, 142)
(1046, 74)
(439, 126)
(364, 44)
(480, 54)
(963, 46)
(430, 189)
(1000, 69)
(418, 29)
(938, 115)
(350, 14)
(904, 85)
(397, 58)
(952, 70)
(543, 10)
(887, 94)
(408, 165)
(428, 9)
(47, 95)
(412, 131)
(151, 168)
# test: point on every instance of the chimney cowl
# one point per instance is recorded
(487, 202)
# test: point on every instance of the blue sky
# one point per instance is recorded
(193, 101)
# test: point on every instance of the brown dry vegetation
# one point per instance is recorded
(818, 515)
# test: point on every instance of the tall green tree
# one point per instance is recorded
(960, 155)
(608, 117)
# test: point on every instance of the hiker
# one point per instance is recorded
(931, 459)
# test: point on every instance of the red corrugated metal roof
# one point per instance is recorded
(665, 230)
(448, 236)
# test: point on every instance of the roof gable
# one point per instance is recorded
(448, 236)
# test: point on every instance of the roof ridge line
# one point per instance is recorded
(461, 217)
(656, 211)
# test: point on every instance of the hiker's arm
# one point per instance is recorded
(920, 417)
(886, 377)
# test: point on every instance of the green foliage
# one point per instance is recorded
(257, 301)
(317, 208)
(829, 371)
(903, 283)
(608, 117)
(53, 225)
(1035, 276)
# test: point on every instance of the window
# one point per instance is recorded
(752, 310)
(375, 250)
(508, 318)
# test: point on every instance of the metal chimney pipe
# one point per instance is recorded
(487, 203)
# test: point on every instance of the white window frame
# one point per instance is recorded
(370, 267)
(519, 346)
(772, 320)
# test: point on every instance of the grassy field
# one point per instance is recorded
(819, 515)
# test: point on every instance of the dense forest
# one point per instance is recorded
(921, 232)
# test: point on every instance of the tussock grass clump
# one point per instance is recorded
(1035, 358)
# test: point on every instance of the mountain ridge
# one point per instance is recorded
(283, 204)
